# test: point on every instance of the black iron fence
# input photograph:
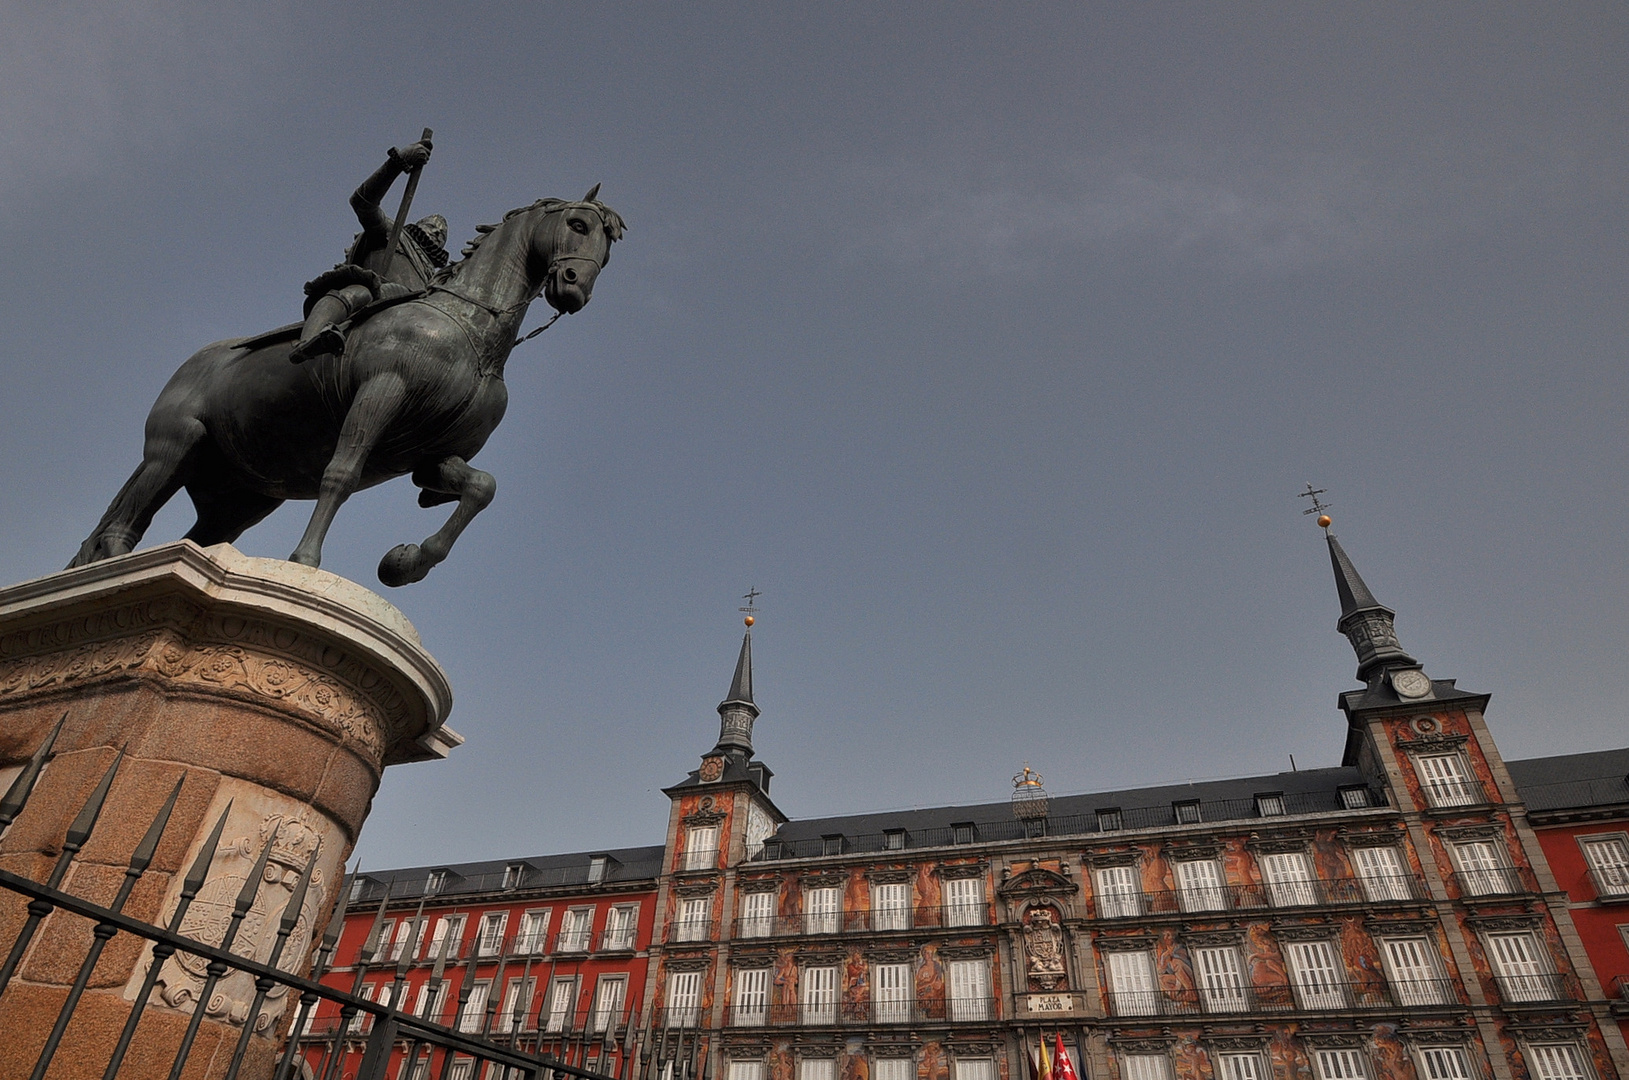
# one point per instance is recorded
(432, 1050)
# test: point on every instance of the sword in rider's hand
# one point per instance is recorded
(401, 215)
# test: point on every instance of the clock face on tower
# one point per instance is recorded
(1411, 683)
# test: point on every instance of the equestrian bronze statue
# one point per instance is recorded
(413, 385)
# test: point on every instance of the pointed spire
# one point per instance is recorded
(737, 711)
(1366, 622)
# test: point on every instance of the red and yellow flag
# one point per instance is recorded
(1043, 1068)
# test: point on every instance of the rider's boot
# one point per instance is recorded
(322, 333)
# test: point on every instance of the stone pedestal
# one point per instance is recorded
(278, 689)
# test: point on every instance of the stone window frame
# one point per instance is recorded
(1621, 836)
(1252, 1045)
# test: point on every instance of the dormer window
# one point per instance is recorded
(1109, 820)
(512, 875)
(1187, 813)
(772, 849)
(831, 845)
(893, 840)
(596, 869)
(435, 882)
(1354, 798)
(1270, 805)
(961, 833)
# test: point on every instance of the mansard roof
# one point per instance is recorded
(1306, 791)
(623, 866)
(1573, 781)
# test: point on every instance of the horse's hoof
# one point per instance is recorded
(403, 565)
(306, 560)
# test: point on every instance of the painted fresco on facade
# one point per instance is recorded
(1286, 1057)
(927, 895)
(932, 1063)
(930, 982)
(1264, 963)
(1188, 1056)
(855, 1067)
(784, 991)
(856, 995)
(1172, 970)
(1238, 866)
(1362, 959)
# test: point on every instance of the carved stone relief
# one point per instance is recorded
(1043, 949)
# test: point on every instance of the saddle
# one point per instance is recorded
(291, 332)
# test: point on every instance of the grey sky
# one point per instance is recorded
(991, 342)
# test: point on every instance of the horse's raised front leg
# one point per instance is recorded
(474, 490)
(372, 409)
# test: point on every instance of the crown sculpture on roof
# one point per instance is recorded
(1029, 799)
(396, 370)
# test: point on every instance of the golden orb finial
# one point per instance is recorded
(749, 620)
(1325, 521)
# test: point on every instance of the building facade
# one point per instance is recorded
(1390, 917)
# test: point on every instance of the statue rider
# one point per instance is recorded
(368, 272)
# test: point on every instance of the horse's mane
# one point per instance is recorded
(614, 228)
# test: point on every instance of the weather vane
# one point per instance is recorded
(1318, 507)
(751, 595)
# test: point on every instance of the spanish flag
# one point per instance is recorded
(1043, 1063)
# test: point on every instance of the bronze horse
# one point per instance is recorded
(418, 390)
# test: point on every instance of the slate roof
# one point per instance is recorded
(1573, 781)
(1307, 791)
(638, 864)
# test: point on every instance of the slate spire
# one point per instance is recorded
(1366, 622)
(737, 711)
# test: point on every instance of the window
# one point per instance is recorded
(1519, 967)
(969, 997)
(1240, 1067)
(1445, 781)
(974, 1069)
(1221, 982)
(821, 910)
(893, 840)
(1413, 973)
(1109, 820)
(1380, 869)
(473, 1015)
(1199, 885)
(576, 926)
(757, 914)
(831, 845)
(1145, 1067)
(1355, 798)
(694, 915)
(1320, 982)
(360, 1021)
(1608, 858)
(819, 995)
(462, 1069)
(620, 926)
(1444, 1063)
(1270, 805)
(562, 999)
(596, 869)
(490, 939)
(751, 996)
(1481, 870)
(962, 834)
(1340, 1065)
(1556, 1061)
(1289, 879)
(435, 882)
(773, 849)
(534, 931)
(891, 993)
(409, 936)
(964, 902)
(357, 884)
(746, 1070)
(817, 1069)
(893, 1069)
(517, 1003)
(1131, 984)
(1119, 893)
(428, 1006)
(1187, 812)
(608, 997)
(891, 906)
(701, 847)
(448, 933)
(513, 874)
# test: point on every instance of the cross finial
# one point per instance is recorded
(1318, 506)
(751, 595)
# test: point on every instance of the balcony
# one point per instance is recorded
(1611, 884)
(1326, 997)
(967, 1010)
(1453, 794)
(1272, 896)
(692, 930)
(879, 921)
(1530, 989)
(1495, 881)
(623, 940)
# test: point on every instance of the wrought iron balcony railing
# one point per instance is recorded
(1449, 794)
(956, 1010)
(1527, 989)
(952, 916)
(1611, 884)
(1285, 894)
(1496, 881)
(691, 930)
(1322, 997)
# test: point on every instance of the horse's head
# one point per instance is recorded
(572, 240)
